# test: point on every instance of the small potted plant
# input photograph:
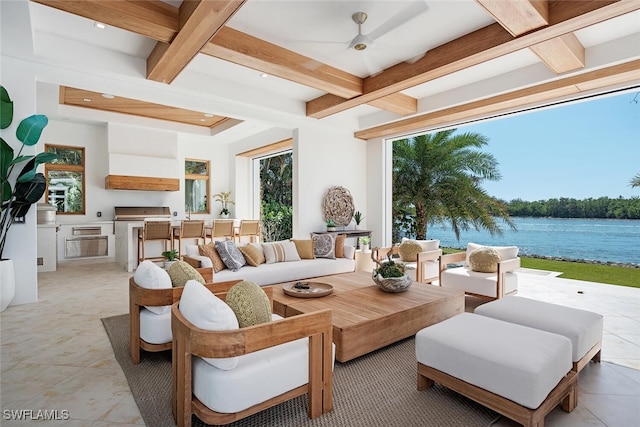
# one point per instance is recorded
(225, 199)
(331, 226)
(170, 257)
(358, 217)
(364, 243)
(390, 276)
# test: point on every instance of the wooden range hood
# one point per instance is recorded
(145, 183)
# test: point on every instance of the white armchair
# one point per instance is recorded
(223, 373)
(491, 285)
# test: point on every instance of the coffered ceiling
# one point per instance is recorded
(279, 61)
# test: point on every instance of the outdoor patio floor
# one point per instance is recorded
(55, 354)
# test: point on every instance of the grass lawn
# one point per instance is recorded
(599, 273)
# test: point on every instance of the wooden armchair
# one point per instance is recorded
(189, 340)
(485, 285)
(426, 265)
(140, 297)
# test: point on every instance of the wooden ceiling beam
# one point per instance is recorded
(152, 18)
(561, 54)
(472, 49)
(242, 49)
(518, 17)
(199, 21)
(598, 79)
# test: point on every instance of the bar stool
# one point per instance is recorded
(222, 228)
(249, 228)
(154, 231)
(189, 229)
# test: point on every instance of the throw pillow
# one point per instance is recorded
(230, 254)
(253, 254)
(181, 271)
(505, 252)
(149, 276)
(281, 251)
(409, 250)
(324, 245)
(250, 304)
(304, 248)
(427, 245)
(209, 250)
(339, 251)
(206, 311)
(484, 260)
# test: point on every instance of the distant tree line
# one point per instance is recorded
(603, 207)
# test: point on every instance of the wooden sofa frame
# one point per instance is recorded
(380, 254)
(140, 297)
(503, 267)
(188, 341)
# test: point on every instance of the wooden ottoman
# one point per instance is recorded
(583, 328)
(517, 371)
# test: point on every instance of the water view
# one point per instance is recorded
(576, 239)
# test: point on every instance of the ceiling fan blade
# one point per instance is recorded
(395, 21)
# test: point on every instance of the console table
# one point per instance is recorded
(349, 233)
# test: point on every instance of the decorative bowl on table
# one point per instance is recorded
(393, 284)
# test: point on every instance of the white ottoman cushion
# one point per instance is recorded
(516, 362)
(155, 328)
(583, 328)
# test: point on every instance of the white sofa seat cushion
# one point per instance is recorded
(465, 279)
(155, 328)
(519, 363)
(268, 274)
(276, 369)
(584, 328)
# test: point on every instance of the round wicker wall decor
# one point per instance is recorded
(337, 206)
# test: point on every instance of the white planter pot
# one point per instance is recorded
(7, 283)
(168, 264)
(364, 247)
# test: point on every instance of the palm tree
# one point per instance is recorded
(437, 180)
(635, 181)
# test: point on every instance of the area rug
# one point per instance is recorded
(378, 389)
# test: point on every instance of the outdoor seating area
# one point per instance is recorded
(603, 386)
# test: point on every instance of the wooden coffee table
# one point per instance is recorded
(366, 318)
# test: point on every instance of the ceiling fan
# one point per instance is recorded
(362, 41)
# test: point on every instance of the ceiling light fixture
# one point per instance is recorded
(99, 25)
(207, 115)
(108, 96)
(86, 99)
(264, 75)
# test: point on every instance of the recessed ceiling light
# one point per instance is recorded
(108, 96)
(264, 75)
(202, 120)
(99, 25)
(208, 115)
(86, 99)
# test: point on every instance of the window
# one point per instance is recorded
(65, 179)
(196, 186)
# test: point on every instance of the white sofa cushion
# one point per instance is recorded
(149, 276)
(584, 328)
(505, 252)
(206, 311)
(268, 274)
(155, 328)
(465, 279)
(516, 362)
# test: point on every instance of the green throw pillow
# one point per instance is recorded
(250, 304)
(180, 272)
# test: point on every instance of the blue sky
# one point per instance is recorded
(584, 150)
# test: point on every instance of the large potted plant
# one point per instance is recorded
(17, 193)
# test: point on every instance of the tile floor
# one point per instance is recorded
(55, 354)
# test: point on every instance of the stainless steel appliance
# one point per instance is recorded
(139, 213)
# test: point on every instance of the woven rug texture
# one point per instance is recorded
(378, 389)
